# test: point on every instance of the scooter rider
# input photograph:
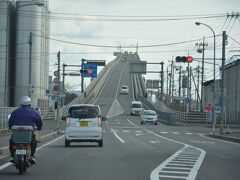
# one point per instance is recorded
(25, 116)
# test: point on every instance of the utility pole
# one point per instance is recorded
(162, 81)
(58, 97)
(63, 83)
(179, 84)
(224, 37)
(202, 50)
(30, 86)
(198, 88)
(167, 83)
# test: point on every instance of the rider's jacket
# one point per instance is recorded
(25, 117)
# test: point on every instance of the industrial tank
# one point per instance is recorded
(4, 27)
(31, 18)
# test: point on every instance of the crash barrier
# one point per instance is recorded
(92, 90)
(4, 112)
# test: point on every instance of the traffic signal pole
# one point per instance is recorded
(82, 77)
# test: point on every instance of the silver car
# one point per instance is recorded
(149, 116)
(84, 124)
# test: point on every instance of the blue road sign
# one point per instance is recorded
(92, 67)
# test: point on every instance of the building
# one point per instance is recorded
(232, 85)
(26, 58)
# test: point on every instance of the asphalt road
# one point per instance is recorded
(132, 151)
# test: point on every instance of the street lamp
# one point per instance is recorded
(214, 62)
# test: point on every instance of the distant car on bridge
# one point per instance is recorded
(149, 116)
(124, 89)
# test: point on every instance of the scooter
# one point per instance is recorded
(21, 138)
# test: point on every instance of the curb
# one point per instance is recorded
(231, 139)
(4, 151)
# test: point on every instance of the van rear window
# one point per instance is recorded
(83, 112)
(136, 105)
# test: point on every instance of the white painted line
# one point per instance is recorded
(203, 142)
(138, 131)
(189, 133)
(154, 142)
(5, 165)
(174, 172)
(126, 131)
(175, 132)
(185, 159)
(181, 162)
(220, 140)
(174, 177)
(182, 168)
(186, 165)
(44, 145)
(163, 132)
(196, 167)
(132, 123)
(120, 139)
(150, 132)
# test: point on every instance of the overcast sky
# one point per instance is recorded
(94, 22)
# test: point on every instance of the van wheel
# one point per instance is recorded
(141, 122)
(156, 123)
(100, 143)
(67, 143)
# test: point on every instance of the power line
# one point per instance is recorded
(114, 46)
(233, 39)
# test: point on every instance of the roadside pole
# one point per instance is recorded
(58, 97)
(224, 36)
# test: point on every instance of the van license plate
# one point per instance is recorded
(84, 123)
(21, 151)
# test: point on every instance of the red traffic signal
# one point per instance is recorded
(86, 71)
(184, 59)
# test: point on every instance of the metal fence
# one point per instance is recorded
(4, 112)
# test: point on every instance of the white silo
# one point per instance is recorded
(4, 44)
(31, 51)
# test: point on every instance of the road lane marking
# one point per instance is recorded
(44, 145)
(154, 142)
(5, 165)
(203, 142)
(133, 123)
(120, 139)
(203, 136)
(186, 150)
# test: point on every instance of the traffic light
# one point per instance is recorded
(184, 59)
(86, 71)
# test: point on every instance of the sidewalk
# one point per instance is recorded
(49, 130)
(230, 133)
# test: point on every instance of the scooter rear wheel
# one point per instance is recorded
(21, 166)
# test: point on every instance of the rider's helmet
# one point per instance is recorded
(25, 101)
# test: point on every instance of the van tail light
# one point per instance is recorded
(100, 120)
(67, 121)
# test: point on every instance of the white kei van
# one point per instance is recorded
(136, 108)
